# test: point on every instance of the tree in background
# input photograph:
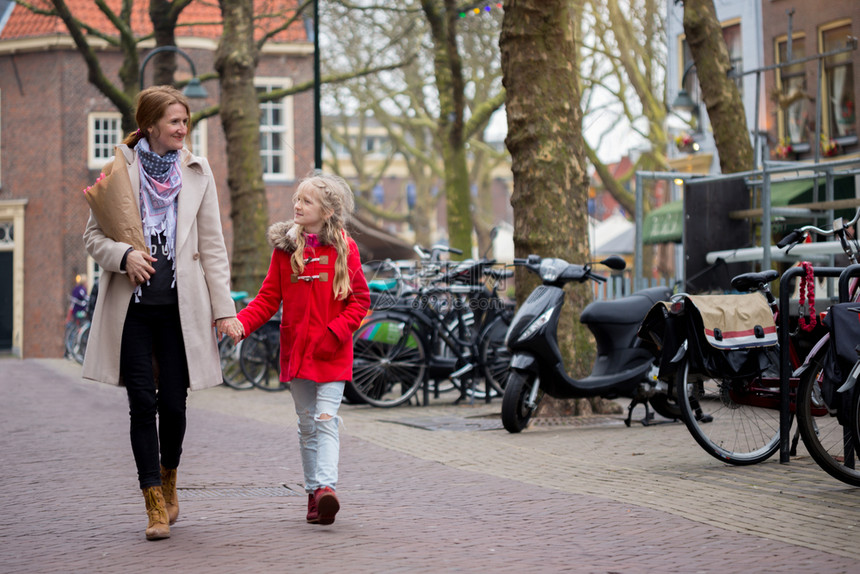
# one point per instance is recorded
(623, 83)
(235, 61)
(434, 110)
(539, 52)
(719, 92)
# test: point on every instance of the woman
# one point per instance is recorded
(147, 324)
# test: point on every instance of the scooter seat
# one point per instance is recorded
(628, 310)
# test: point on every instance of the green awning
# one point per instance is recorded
(666, 223)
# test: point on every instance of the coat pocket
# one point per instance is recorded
(328, 346)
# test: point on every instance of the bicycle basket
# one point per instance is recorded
(731, 336)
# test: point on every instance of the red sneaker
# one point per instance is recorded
(313, 513)
(327, 504)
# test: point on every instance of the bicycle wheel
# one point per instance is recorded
(854, 415)
(69, 336)
(79, 349)
(722, 417)
(495, 356)
(828, 442)
(254, 357)
(231, 372)
(389, 361)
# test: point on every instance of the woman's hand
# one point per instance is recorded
(138, 268)
(232, 327)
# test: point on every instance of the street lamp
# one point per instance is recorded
(683, 101)
(317, 110)
(193, 89)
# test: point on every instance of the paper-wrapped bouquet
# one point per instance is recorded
(114, 205)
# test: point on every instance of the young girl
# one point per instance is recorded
(316, 272)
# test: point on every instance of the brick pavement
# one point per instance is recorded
(592, 499)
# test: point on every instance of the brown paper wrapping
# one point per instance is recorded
(115, 207)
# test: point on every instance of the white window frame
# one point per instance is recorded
(845, 60)
(286, 154)
(200, 138)
(94, 161)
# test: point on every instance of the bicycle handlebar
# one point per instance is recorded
(839, 226)
(825, 232)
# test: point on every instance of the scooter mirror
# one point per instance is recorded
(614, 262)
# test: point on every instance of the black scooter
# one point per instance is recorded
(623, 367)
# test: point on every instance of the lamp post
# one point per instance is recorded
(683, 101)
(317, 111)
(194, 89)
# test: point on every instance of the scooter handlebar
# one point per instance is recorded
(595, 277)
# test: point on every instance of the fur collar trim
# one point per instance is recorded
(282, 236)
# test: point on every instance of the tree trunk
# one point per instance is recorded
(720, 93)
(240, 116)
(450, 86)
(163, 28)
(548, 159)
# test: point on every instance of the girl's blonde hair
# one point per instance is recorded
(337, 202)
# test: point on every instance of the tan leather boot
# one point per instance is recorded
(158, 526)
(168, 488)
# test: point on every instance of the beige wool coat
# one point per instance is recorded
(202, 277)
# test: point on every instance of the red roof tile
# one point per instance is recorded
(200, 19)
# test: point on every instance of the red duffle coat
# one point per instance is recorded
(316, 328)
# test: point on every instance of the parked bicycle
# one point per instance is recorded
(824, 425)
(77, 331)
(259, 356)
(229, 352)
(449, 329)
(730, 400)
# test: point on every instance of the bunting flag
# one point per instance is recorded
(480, 7)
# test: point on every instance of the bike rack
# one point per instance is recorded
(844, 278)
(784, 359)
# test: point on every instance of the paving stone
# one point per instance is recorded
(439, 491)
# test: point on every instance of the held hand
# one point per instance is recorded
(138, 268)
(232, 327)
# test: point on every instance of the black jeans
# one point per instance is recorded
(154, 331)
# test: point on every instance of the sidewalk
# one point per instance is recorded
(423, 490)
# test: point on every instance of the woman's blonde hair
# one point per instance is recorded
(337, 202)
(152, 104)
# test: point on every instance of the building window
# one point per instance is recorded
(199, 138)
(839, 106)
(276, 132)
(791, 92)
(7, 234)
(377, 144)
(691, 82)
(105, 133)
(732, 37)
(734, 44)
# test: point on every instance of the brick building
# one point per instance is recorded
(796, 94)
(57, 130)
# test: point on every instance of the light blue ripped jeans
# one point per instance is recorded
(318, 437)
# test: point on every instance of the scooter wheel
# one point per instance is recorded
(516, 410)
